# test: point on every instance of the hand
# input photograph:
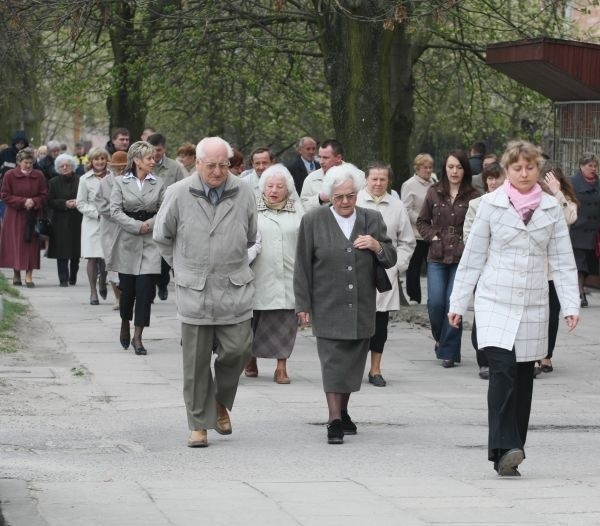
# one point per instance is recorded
(572, 322)
(29, 204)
(454, 319)
(145, 228)
(304, 318)
(552, 182)
(324, 197)
(71, 203)
(367, 243)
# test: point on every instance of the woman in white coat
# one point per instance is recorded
(376, 197)
(517, 229)
(91, 247)
(274, 320)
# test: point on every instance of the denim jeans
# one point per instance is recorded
(440, 278)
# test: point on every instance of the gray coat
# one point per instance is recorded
(134, 253)
(207, 247)
(169, 171)
(333, 281)
(583, 231)
(109, 228)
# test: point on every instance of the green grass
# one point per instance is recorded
(9, 343)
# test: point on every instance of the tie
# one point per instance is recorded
(312, 166)
(213, 196)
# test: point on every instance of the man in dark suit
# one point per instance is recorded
(305, 163)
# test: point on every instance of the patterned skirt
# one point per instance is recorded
(274, 333)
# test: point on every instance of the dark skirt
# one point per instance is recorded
(342, 364)
(274, 333)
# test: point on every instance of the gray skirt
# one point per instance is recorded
(274, 333)
(342, 364)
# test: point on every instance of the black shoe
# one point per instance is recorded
(484, 373)
(377, 380)
(335, 432)
(102, 290)
(73, 281)
(94, 301)
(348, 426)
(163, 292)
(584, 301)
(507, 465)
(447, 364)
(140, 351)
(63, 284)
(124, 338)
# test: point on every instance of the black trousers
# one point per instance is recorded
(165, 274)
(482, 360)
(67, 269)
(554, 305)
(413, 272)
(139, 292)
(509, 401)
(381, 332)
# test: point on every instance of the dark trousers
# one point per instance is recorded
(509, 401)
(165, 274)
(67, 269)
(138, 292)
(482, 360)
(413, 272)
(381, 332)
(553, 321)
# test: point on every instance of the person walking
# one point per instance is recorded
(517, 231)
(203, 230)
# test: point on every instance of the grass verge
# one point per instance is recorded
(9, 343)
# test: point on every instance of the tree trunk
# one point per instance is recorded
(370, 72)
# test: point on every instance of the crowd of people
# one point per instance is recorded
(255, 253)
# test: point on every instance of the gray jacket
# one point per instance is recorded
(207, 247)
(335, 282)
(134, 253)
(169, 171)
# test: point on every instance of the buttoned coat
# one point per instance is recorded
(413, 193)
(274, 265)
(506, 260)
(207, 247)
(135, 253)
(170, 171)
(90, 225)
(65, 241)
(583, 231)
(335, 282)
(299, 172)
(400, 231)
(109, 227)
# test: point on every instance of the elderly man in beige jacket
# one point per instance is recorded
(203, 229)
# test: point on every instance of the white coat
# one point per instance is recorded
(400, 231)
(274, 265)
(91, 247)
(506, 260)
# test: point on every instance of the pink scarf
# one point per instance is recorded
(525, 204)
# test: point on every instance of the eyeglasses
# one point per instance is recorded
(344, 197)
(213, 165)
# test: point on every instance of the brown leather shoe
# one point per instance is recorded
(198, 438)
(281, 376)
(223, 422)
(251, 370)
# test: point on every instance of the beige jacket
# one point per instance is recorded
(134, 253)
(413, 194)
(207, 247)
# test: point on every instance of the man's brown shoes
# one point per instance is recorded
(198, 438)
(223, 422)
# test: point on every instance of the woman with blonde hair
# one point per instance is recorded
(91, 247)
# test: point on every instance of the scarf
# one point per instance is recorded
(275, 206)
(375, 198)
(524, 203)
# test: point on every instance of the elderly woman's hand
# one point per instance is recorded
(454, 319)
(29, 204)
(304, 318)
(572, 322)
(367, 243)
(145, 228)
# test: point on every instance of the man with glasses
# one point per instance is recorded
(203, 229)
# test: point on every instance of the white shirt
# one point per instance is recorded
(140, 182)
(345, 223)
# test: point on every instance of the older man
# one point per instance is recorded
(203, 229)
(304, 163)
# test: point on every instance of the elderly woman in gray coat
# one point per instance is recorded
(334, 284)
(134, 202)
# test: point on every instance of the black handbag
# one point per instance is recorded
(382, 282)
(43, 227)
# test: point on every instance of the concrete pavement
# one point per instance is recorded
(94, 435)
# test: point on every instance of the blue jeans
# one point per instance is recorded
(440, 279)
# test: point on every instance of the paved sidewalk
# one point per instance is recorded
(94, 435)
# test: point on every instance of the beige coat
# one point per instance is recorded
(109, 228)
(274, 265)
(134, 253)
(505, 259)
(91, 246)
(399, 230)
(413, 193)
(170, 171)
(207, 247)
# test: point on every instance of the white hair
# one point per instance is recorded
(64, 157)
(209, 141)
(337, 175)
(277, 169)
(53, 145)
